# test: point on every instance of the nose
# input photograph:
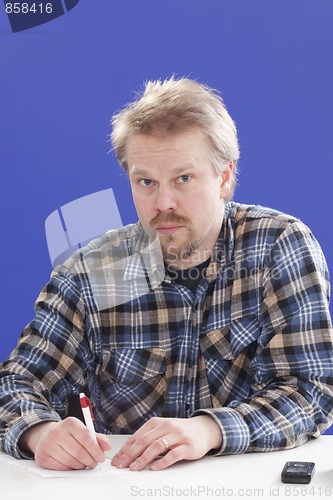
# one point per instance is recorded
(165, 199)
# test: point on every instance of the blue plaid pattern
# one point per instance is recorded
(252, 348)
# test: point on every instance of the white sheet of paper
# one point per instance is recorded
(102, 469)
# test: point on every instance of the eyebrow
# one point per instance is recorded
(138, 172)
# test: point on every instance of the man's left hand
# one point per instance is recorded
(162, 442)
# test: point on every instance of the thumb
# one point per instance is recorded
(103, 442)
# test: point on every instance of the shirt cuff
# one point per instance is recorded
(11, 444)
(235, 432)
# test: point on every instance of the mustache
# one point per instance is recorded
(171, 218)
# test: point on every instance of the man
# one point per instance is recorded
(204, 328)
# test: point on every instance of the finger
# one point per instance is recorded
(134, 447)
(140, 441)
(123, 450)
(87, 447)
(58, 459)
(82, 453)
(105, 445)
(146, 428)
(103, 442)
(175, 455)
(78, 442)
(51, 463)
(157, 448)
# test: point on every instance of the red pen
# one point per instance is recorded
(87, 412)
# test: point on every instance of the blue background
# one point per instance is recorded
(61, 82)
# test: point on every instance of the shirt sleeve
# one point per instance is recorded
(292, 392)
(48, 364)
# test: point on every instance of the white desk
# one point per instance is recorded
(253, 475)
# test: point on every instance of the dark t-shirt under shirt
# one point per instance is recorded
(190, 277)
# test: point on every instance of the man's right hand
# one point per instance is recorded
(65, 445)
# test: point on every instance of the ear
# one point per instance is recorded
(226, 177)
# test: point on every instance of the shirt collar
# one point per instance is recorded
(145, 259)
(224, 247)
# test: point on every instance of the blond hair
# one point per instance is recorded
(172, 106)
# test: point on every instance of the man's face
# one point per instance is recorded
(178, 193)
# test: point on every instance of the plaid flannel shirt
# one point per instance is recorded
(252, 348)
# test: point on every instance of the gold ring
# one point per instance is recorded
(165, 442)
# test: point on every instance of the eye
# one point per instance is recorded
(184, 178)
(146, 182)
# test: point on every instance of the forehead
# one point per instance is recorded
(186, 145)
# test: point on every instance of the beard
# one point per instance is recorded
(174, 247)
(174, 251)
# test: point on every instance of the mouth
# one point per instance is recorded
(168, 229)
